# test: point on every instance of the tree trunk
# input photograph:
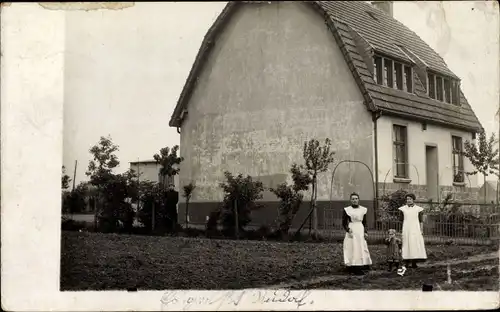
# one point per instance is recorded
(311, 207)
(484, 186)
(187, 211)
(315, 211)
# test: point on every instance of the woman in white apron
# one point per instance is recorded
(413, 249)
(356, 255)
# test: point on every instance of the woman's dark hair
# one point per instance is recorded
(354, 194)
(412, 196)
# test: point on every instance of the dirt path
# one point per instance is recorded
(337, 277)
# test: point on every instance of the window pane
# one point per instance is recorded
(408, 79)
(401, 170)
(377, 62)
(457, 143)
(388, 73)
(400, 157)
(431, 92)
(398, 72)
(455, 94)
(400, 161)
(439, 88)
(397, 134)
(447, 91)
(458, 160)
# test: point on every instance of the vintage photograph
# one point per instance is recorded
(319, 145)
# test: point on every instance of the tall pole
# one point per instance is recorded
(74, 174)
(138, 187)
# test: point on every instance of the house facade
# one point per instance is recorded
(271, 75)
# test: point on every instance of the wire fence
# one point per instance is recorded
(460, 223)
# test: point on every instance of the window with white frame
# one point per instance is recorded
(442, 88)
(458, 159)
(400, 138)
(393, 74)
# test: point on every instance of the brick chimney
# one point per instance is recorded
(385, 6)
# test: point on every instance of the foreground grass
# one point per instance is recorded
(479, 276)
(95, 261)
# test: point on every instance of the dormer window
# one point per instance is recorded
(392, 74)
(442, 88)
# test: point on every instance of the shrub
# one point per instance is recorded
(188, 192)
(242, 192)
(72, 225)
(263, 232)
(291, 198)
(149, 196)
(74, 201)
(390, 204)
(192, 232)
(212, 222)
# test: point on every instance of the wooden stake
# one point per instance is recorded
(74, 174)
(448, 273)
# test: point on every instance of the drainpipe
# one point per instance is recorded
(375, 116)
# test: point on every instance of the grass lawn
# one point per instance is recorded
(95, 261)
(478, 276)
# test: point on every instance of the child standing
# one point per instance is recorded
(393, 250)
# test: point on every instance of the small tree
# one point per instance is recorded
(103, 162)
(291, 198)
(242, 193)
(483, 156)
(317, 160)
(149, 196)
(112, 188)
(188, 192)
(169, 162)
(65, 179)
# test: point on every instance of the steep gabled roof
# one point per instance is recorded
(361, 29)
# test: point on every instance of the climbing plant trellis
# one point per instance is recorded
(331, 189)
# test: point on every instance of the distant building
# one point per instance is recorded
(150, 170)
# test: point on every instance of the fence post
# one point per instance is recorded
(236, 219)
(187, 212)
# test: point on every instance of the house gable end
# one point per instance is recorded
(341, 33)
(357, 33)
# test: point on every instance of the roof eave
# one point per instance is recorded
(175, 120)
(413, 117)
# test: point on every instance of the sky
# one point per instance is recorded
(125, 69)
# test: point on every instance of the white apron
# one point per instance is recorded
(413, 240)
(356, 249)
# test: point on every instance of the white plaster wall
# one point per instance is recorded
(417, 139)
(147, 171)
(275, 78)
